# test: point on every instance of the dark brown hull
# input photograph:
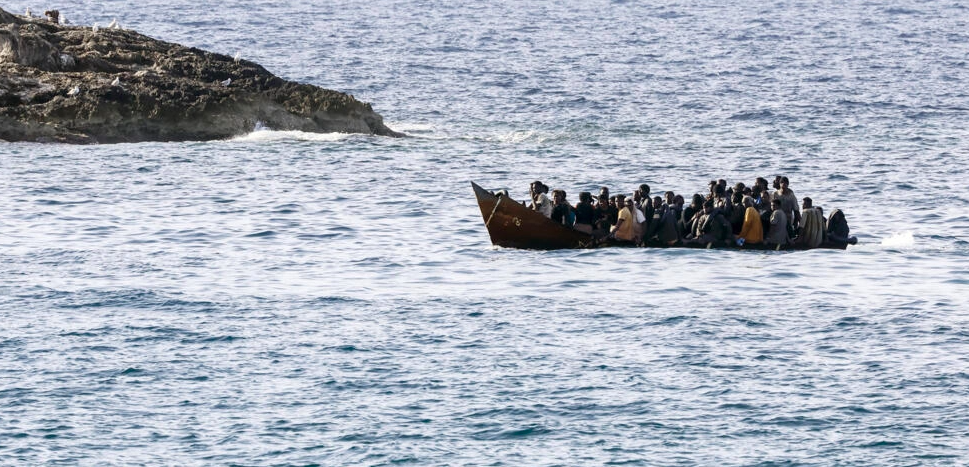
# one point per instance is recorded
(512, 225)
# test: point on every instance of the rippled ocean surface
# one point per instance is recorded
(297, 299)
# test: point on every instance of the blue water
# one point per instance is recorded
(286, 298)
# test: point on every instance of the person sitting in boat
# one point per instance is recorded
(562, 211)
(585, 213)
(752, 231)
(777, 234)
(628, 226)
(677, 207)
(603, 209)
(761, 203)
(811, 231)
(711, 227)
(540, 201)
(662, 228)
(689, 215)
(737, 213)
(838, 231)
(721, 200)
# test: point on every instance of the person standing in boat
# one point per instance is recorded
(788, 203)
(562, 211)
(629, 223)
(644, 203)
(777, 235)
(540, 201)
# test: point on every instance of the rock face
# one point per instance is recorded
(79, 85)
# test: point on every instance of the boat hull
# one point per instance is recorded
(513, 225)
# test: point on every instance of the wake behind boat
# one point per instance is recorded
(511, 224)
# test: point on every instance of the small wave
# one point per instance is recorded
(899, 240)
(527, 136)
(409, 128)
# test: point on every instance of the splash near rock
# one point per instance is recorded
(77, 84)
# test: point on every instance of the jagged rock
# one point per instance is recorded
(164, 91)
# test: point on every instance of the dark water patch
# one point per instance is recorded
(51, 202)
(212, 339)
(898, 11)
(849, 321)
(880, 445)
(311, 237)
(497, 434)
(671, 320)
(291, 208)
(262, 234)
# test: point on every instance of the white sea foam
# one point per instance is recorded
(899, 240)
(404, 127)
(263, 134)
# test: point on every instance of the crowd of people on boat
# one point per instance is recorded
(726, 215)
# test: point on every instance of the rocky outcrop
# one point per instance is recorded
(77, 84)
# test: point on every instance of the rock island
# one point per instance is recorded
(80, 84)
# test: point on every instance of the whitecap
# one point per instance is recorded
(899, 240)
(260, 135)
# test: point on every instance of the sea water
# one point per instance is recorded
(285, 298)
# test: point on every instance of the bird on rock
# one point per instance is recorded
(116, 82)
(74, 91)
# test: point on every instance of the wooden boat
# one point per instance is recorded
(513, 225)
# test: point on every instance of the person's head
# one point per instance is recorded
(708, 206)
(604, 190)
(657, 202)
(761, 182)
(756, 192)
(678, 200)
(748, 202)
(719, 191)
(737, 197)
(712, 185)
(777, 182)
(621, 201)
(669, 196)
(722, 183)
(697, 201)
(628, 203)
(807, 203)
(784, 183)
(747, 191)
(558, 196)
(776, 205)
(603, 200)
(613, 202)
(644, 191)
(535, 187)
(585, 197)
(739, 187)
